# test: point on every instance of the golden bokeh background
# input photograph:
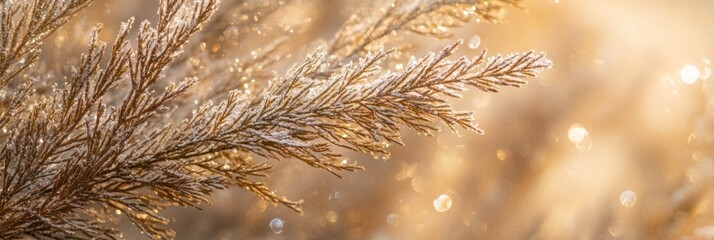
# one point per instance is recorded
(612, 142)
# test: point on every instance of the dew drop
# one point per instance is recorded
(195, 61)
(226, 167)
(502, 154)
(628, 199)
(392, 218)
(577, 133)
(331, 216)
(689, 74)
(276, 225)
(470, 219)
(418, 183)
(60, 39)
(215, 48)
(474, 42)
(442, 203)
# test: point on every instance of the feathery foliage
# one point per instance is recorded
(105, 142)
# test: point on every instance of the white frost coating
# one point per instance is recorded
(281, 137)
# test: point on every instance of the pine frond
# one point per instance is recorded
(104, 142)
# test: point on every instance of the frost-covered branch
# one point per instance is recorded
(107, 141)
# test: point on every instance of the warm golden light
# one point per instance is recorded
(357, 119)
(689, 74)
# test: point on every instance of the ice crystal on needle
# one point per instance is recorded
(107, 141)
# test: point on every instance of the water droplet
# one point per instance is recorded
(195, 61)
(215, 48)
(331, 216)
(693, 136)
(61, 38)
(470, 219)
(577, 133)
(628, 199)
(276, 225)
(442, 203)
(689, 74)
(392, 218)
(418, 184)
(474, 42)
(501, 154)
(226, 167)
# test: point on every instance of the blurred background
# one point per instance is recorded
(614, 142)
